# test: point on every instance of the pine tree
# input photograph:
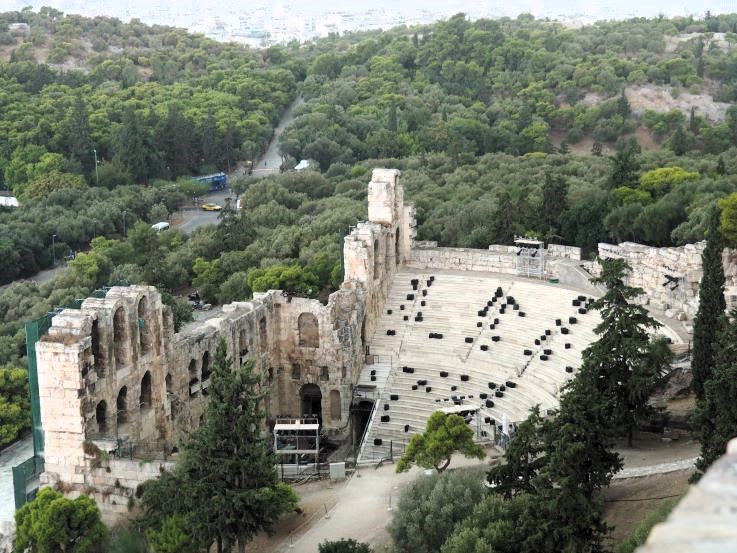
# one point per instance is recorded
(226, 484)
(77, 135)
(174, 138)
(392, 125)
(211, 147)
(523, 458)
(715, 418)
(680, 141)
(625, 165)
(567, 511)
(133, 148)
(555, 201)
(693, 123)
(623, 364)
(721, 168)
(623, 105)
(711, 307)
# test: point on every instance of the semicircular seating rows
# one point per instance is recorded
(527, 346)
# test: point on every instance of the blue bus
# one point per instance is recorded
(217, 181)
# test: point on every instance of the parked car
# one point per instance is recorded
(158, 227)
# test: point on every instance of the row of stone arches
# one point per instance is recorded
(122, 340)
(199, 379)
(310, 397)
(122, 409)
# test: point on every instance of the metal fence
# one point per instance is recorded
(25, 480)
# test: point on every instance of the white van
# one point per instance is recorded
(158, 227)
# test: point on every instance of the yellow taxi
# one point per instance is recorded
(211, 207)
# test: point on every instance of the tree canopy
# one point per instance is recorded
(225, 486)
(444, 435)
(52, 523)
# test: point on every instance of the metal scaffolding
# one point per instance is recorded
(530, 257)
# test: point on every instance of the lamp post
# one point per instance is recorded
(53, 248)
(97, 174)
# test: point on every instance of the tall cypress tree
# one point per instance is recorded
(711, 307)
(624, 364)
(715, 418)
(226, 484)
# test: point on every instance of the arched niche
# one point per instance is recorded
(120, 337)
(144, 400)
(335, 407)
(101, 416)
(309, 331)
(121, 406)
(144, 330)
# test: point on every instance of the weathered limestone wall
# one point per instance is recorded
(114, 372)
(113, 484)
(464, 259)
(705, 520)
(651, 265)
(374, 250)
(496, 259)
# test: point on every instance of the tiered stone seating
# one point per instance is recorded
(452, 305)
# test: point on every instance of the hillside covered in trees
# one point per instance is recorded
(490, 122)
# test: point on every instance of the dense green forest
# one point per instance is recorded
(500, 127)
(145, 102)
(510, 85)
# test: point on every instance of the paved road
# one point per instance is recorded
(271, 160)
(191, 218)
(13, 455)
(40, 278)
(660, 468)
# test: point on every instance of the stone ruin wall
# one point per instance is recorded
(90, 354)
(124, 346)
(495, 259)
(650, 265)
(374, 250)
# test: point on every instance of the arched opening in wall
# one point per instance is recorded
(194, 382)
(120, 338)
(296, 372)
(205, 372)
(342, 371)
(361, 414)
(170, 395)
(97, 359)
(396, 248)
(309, 331)
(121, 407)
(144, 401)
(262, 333)
(324, 374)
(388, 251)
(334, 405)
(243, 344)
(144, 338)
(101, 417)
(376, 259)
(311, 399)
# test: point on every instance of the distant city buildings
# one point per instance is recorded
(262, 23)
